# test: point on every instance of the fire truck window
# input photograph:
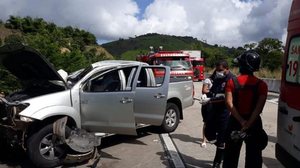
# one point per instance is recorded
(292, 70)
(151, 77)
(197, 63)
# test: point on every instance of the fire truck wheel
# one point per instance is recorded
(171, 119)
(44, 150)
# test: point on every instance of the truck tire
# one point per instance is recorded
(171, 119)
(42, 151)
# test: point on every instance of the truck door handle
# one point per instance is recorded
(159, 96)
(126, 100)
(296, 119)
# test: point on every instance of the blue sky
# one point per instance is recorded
(142, 4)
(223, 22)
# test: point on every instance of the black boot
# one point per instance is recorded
(218, 158)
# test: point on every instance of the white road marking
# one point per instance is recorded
(275, 100)
(172, 151)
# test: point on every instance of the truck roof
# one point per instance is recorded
(170, 54)
(112, 63)
(194, 54)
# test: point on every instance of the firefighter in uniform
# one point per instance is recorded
(214, 112)
(245, 97)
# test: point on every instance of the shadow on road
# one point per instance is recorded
(107, 155)
(191, 162)
(118, 139)
(186, 138)
(272, 139)
(163, 158)
(13, 157)
(131, 139)
(270, 162)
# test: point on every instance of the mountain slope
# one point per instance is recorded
(142, 43)
(128, 49)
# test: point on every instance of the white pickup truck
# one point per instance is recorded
(49, 114)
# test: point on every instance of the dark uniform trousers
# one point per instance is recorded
(216, 120)
(253, 146)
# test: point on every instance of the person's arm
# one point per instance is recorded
(232, 109)
(205, 89)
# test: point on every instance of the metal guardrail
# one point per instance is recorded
(273, 84)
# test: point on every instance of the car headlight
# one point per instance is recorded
(26, 119)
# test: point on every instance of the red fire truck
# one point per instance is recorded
(178, 61)
(198, 64)
(288, 120)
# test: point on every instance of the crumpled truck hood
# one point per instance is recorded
(27, 64)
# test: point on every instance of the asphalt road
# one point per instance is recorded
(148, 150)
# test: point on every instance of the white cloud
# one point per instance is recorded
(269, 19)
(227, 22)
(106, 19)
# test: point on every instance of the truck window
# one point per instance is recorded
(151, 77)
(197, 63)
(292, 72)
(108, 82)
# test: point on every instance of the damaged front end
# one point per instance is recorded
(12, 125)
(83, 145)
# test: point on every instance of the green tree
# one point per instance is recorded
(250, 46)
(212, 55)
(51, 27)
(271, 52)
(274, 60)
(14, 23)
(68, 31)
(74, 61)
(27, 25)
(197, 46)
(13, 38)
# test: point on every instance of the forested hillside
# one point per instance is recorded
(66, 47)
(271, 50)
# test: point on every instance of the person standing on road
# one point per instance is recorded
(207, 85)
(245, 97)
(214, 112)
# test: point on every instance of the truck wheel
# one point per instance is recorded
(43, 150)
(171, 119)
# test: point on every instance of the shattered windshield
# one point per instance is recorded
(77, 75)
